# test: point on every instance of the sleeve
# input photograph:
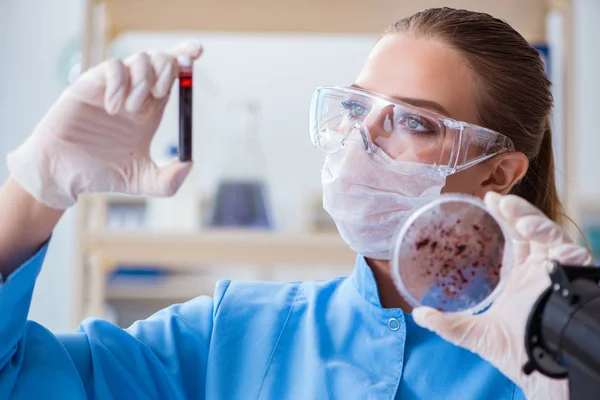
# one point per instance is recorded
(164, 356)
(518, 394)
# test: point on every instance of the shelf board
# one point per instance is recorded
(308, 16)
(113, 198)
(219, 247)
(164, 289)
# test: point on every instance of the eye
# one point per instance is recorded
(354, 109)
(413, 123)
(416, 124)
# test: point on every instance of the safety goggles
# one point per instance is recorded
(430, 143)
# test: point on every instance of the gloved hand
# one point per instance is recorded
(96, 137)
(498, 334)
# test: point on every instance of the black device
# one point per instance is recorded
(562, 337)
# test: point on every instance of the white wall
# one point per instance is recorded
(555, 36)
(30, 44)
(587, 95)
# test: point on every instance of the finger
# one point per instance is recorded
(541, 229)
(142, 80)
(454, 328)
(165, 70)
(570, 253)
(514, 207)
(191, 48)
(492, 198)
(530, 277)
(520, 246)
(492, 202)
(165, 181)
(117, 86)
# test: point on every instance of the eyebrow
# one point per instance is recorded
(432, 105)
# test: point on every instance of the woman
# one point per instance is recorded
(432, 79)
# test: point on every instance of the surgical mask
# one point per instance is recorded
(386, 158)
(369, 200)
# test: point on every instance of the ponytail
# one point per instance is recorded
(538, 186)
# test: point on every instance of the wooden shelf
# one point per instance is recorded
(308, 16)
(178, 288)
(217, 247)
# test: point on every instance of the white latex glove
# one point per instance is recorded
(96, 137)
(498, 334)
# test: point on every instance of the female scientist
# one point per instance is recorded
(442, 76)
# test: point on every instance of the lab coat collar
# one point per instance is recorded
(364, 281)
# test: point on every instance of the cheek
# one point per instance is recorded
(467, 181)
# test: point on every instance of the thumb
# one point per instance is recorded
(190, 48)
(457, 329)
(541, 229)
(571, 253)
(521, 248)
(165, 181)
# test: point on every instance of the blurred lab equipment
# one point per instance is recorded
(592, 233)
(319, 220)
(449, 255)
(242, 200)
(128, 213)
(563, 329)
(590, 227)
(69, 62)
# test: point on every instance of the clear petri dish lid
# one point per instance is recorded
(452, 255)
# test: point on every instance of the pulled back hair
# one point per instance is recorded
(512, 90)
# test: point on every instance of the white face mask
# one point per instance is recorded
(368, 201)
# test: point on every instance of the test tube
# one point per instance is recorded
(185, 109)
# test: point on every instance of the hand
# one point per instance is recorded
(96, 137)
(498, 334)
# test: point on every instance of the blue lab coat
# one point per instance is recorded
(307, 340)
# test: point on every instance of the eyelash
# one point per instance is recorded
(348, 105)
(420, 121)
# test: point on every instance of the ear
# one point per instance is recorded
(505, 170)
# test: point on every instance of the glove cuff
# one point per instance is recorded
(539, 387)
(41, 174)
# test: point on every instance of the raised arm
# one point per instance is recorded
(96, 138)
(26, 225)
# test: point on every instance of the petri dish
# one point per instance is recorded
(451, 255)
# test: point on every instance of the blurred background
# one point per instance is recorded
(251, 208)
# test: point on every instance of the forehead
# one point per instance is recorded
(405, 66)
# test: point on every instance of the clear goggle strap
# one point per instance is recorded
(500, 144)
(482, 148)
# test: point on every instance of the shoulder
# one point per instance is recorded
(256, 298)
(254, 293)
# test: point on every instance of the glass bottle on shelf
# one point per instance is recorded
(241, 200)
